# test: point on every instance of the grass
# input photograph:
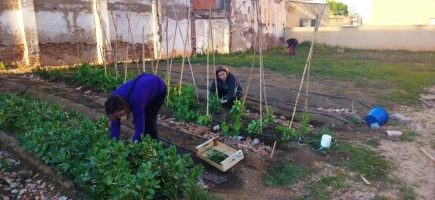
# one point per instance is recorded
(363, 161)
(286, 173)
(403, 71)
(325, 188)
(408, 136)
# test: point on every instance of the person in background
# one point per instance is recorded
(229, 86)
(142, 96)
(292, 42)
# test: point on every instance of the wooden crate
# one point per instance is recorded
(234, 156)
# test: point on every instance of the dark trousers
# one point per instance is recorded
(151, 112)
(292, 47)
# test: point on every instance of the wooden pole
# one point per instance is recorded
(261, 75)
(132, 41)
(115, 23)
(172, 57)
(167, 46)
(273, 149)
(188, 58)
(427, 154)
(310, 55)
(307, 86)
(208, 57)
(214, 61)
(126, 60)
(253, 62)
(143, 49)
(185, 51)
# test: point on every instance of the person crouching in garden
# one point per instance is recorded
(229, 86)
(292, 42)
(142, 96)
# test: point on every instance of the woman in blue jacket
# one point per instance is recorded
(229, 86)
(143, 96)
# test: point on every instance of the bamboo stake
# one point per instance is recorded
(188, 58)
(273, 149)
(78, 44)
(253, 62)
(261, 67)
(158, 59)
(310, 55)
(115, 23)
(208, 56)
(132, 41)
(143, 49)
(307, 86)
(104, 61)
(126, 61)
(185, 52)
(172, 57)
(214, 63)
(154, 56)
(433, 159)
(167, 46)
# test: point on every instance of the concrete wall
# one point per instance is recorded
(402, 13)
(297, 11)
(11, 32)
(413, 38)
(65, 32)
(243, 20)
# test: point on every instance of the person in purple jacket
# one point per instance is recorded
(229, 86)
(143, 96)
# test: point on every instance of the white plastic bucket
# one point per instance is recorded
(326, 141)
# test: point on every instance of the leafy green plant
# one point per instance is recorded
(217, 156)
(254, 127)
(288, 134)
(183, 104)
(214, 104)
(225, 128)
(80, 148)
(96, 76)
(204, 120)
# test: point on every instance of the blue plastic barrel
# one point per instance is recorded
(377, 115)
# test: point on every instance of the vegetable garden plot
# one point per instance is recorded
(182, 140)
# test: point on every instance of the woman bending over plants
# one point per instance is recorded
(228, 85)
(143, 96)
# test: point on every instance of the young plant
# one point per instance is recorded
(254, 127)
(217, 156)
(288, 134)
(183, 104)
(204, 120)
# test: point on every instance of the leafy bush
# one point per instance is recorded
(102, 167)
(95, 76)
(184, 104)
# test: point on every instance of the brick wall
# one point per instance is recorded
(204, 4)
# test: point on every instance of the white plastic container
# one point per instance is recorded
(326, 141)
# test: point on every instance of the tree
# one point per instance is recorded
(337, 8)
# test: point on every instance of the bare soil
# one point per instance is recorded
(412, 167)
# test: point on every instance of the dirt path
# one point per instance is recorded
(413, 166)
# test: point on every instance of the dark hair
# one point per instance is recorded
(116, 103)
(221, 68)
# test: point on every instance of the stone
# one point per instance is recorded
(400, 118)
(202, 130)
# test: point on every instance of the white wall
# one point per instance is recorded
(413, 38)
